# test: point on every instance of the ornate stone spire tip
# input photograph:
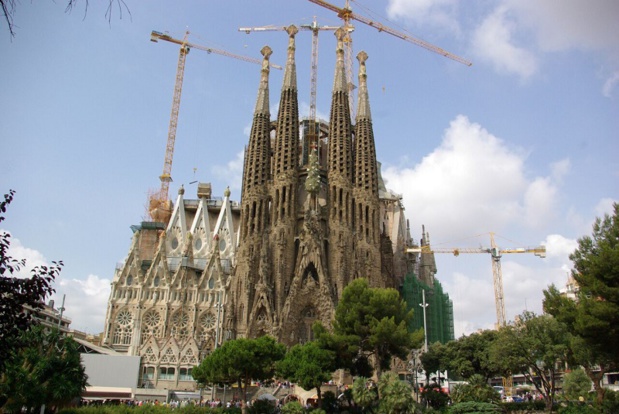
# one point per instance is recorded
(266, 52)
(340, 33)
(362, 57)
(292, 30)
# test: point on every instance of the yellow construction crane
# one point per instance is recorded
(315, 28)
(496, 255)
(497, 277)
(346, 14)
(159, 206)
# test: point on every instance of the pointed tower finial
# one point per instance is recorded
(339, 82)
(363, 109)
(290, 74)
(262, 102)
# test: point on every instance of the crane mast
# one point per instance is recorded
(497, 276)
(159, 206)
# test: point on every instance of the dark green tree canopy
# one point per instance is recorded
(308, 365)
(533, 346)
(241, 361)
(593, 318)
(46, 369)
(15, 293)
(377, 318)
(469, 355)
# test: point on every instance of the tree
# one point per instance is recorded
(46, 370)
(19, 294)
(576, 384)
(8, 9)
(434, 360)
(308, 365)
(365, 394)
(469, 355)
(593, 318)
(533, 346)
(376, 319)
(395, 395)
(240, 361)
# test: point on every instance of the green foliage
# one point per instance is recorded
(147, 409)
(610, 403)
(577, 408)
(364, 394)
(474, 407)
(526, 406)
(435, 359)
(532, 347)
(46, 370)
(293, 407)
(15, 293)
(435, 397)
(375, 320)
(476, 390)
(262, 407)
(395, 396)
(469, 355)
(593, 319)
(330, 403)
(576, 384)
(239, 361)
(308, 365)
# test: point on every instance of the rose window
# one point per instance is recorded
(180, 319)
(124, 318)
(152, 319)
(207, 321)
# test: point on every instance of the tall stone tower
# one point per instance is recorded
(307, 229)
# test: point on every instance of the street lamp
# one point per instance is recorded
(424, 305)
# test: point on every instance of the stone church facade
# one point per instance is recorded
(314, 215)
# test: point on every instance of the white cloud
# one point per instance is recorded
(609, 85)
(560, 169)
(232, 172)
(473, 301)
(540, 201)
(441, 13)
(473, 182)
(85, 302)
(33, 257)
(493, 42)
(566, 24)
(604, 206)
(559, 247)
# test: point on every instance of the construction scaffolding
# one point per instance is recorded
(439, 312)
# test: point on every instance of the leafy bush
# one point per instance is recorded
(610, 405)
(293, 407)
(435, 397)
(474, 407)
(476, 390)
(537, 405)
(576, 408)
(262, 407)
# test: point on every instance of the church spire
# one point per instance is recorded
(262, 102)
(340, 155)
(363, 109)
(290, 74)
(257, 168)
(287, 133)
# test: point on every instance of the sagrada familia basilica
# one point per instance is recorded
(314, 215)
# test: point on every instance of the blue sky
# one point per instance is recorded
(523, 143)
